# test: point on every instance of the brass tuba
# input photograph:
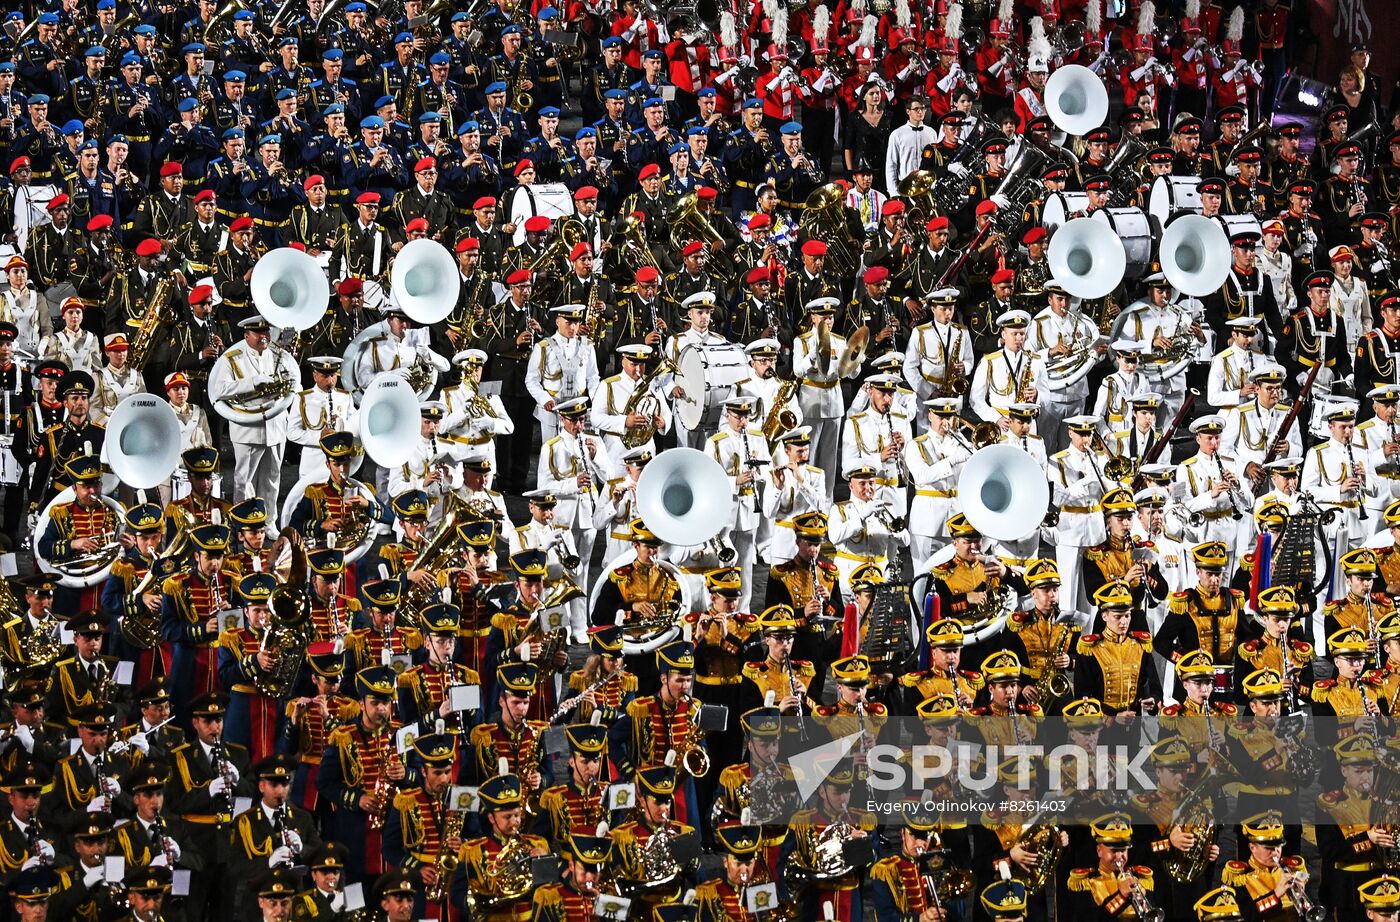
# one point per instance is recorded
(636, 251)
(1044, 840)
(443, 549)
(644, 402)
(687, 223)
(824, 219)
(288, 632)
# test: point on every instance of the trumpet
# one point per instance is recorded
(1141, 904)
(885, 513)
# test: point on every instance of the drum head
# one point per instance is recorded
(690, 377)
(1061, 206)
(1173, 194)
(1134, 228)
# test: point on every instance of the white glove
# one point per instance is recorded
(294, 841)
(337, 901)
(232, 772)
(279, 856)
(97, 805)
(957, 169)
(997, 67)
(170, 845)
(140, 742)
(44, 850)
(113, 787)
(25, 737)
(908, 69)
(31, 863)
(158, 861)
(745, 60)
(1140, 72)
(728, 75)
(94, 876)
(217, 787)
(1232, 72)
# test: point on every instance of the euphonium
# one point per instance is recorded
(1043, 840)
(444, 547)
(158, 318)
(643, 402)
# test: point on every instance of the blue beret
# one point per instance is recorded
(403, 37)
(498, 87)
(130, 58)
(38, 99)
(550, 111)
(548, 12)
(653, 101)
(87, 145)
(288, 40)
(677, 148)
(696, 131)
(332, 54)
(16, 14)
(273, 138)
(355, 7)
(286, 93)
(372, 121)
(707, 91)
(615, 94)
(193, 48)
(96, 51)
(510, 30)
(230, 133)
(440, 57)
(101, 5)
(148, 29)
(334, 108)
(586, 132)
(612, 41)
(72, 126)
(459, 17)
(383, 101)
(188, 104)
(243, 16)
(234, 76)
(48, 19)
(651, 55)
(7, 67)
(429, 117)
(791, 128)
(118, 139)
(468, 127)
(753, 103)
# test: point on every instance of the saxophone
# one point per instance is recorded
(780, 418)
(1024, 384)
(956, 384)
(447, 860)
(1053, 683)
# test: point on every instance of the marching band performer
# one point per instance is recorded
(741, 450)
(1337, 475)
(576, 466)
(934, 461)
(247, 669)
(615, 404)
(580, 803)
(1213, 481)
(561, 368)
(474, 419)
(192, 605)
(250, 374)
(434, 467)
(318, 411)
(423, 825)
(1079, 485)
(1111, 401)
(863, 528)
(816, 362)
(501, 806)
(794, 489)
(1011, 375)
(877, 437)
(574, 898)
(1056, 333)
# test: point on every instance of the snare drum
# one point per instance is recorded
(1134, 228)
(1061, 207)
(1172, 195)
(708, 375)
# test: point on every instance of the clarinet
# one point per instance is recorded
(1360, 491)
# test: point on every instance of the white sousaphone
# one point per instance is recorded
(424, 283)
(1075, 99)
(142, 446)
(683, 497)
(1195, 254)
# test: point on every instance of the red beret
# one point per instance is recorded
(649, 171)
(486, 201)
(875, 275)
(425, 163)
(986, 207)
(757, 274)
(151, 246)
(536, 225)
(240, 224)
(315, 179)
(580, 250)
(298, 246)
(201, 293)
(584, 193)
(1034, 235)
(523, 165)
(518, 277)
(468, 243)
(172, 169)
(691, 248)
(367, 198)
(57, 201)
(891, 207)
(813, 248)
(707, 192)
(646, 274)
(99, 222)
(349, 286)
(759, 220)
(937, 223)
(204, 195)
(417, 224)
(17, 163)
(1002, 276)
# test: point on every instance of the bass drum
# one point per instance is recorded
(1062, 207)
(633, 644)
(1171, 195)
(551, 199)
(67, 577)
(1240, 224)
(1134, 228)
(708, 375)
(289, 506)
